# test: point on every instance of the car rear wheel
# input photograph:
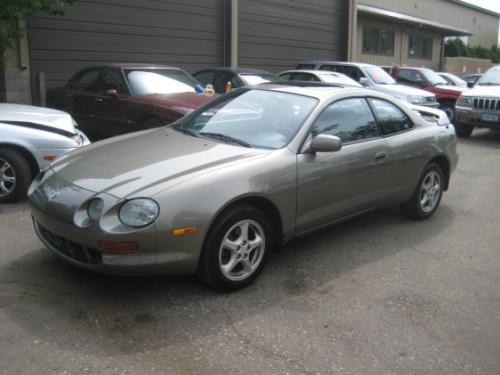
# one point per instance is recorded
(236, 248)
(463, 130)
(15, 175)
(427, 196)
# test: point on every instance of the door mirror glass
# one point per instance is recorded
(111, 93)
(470, 84)
(325, 143)
(364, 81)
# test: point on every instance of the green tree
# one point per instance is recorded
(11, 11)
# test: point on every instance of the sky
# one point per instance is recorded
(493, 5)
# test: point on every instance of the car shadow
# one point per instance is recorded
(76, 310)
(483, 137)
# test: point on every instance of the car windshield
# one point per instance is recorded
(456, 80)
(339, 78)
(432, 77)
(379, 75)
(255, 79)
(250, 117)
(490, 78)
(159, 81)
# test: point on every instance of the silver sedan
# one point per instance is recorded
(215, 192)
(30, 138)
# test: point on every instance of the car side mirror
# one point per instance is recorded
(470, 84)
(112, 93)
(324, 143)
(364, 81)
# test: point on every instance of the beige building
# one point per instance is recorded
(395, 32)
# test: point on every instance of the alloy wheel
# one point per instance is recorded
(430, 191)
(242, 250)
(7, 178)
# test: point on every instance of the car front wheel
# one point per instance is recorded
(15, 175)
(236, 248)
(463, 130)
(427, 196)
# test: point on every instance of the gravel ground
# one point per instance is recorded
(380, 294)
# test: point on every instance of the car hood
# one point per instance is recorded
(490, 91)
(183, 103)
(48, 118)
(451, 89)
(158, 158)
(402, 91)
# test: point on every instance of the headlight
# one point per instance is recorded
(414, 99)
(94, 209)
(465, 101)
(138, 213)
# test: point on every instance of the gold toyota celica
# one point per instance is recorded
(215, 192)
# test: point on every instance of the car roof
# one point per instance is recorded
(318, 90)
(327, 62)
(132, 66)
(236, 70)
(311, 71)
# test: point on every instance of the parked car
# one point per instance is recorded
(213, 193)
(238, 77)
(30, 138)
(479, 107)
(430, 81)
(113, 99)
(471, 79)
(375, 78)
(318, 76)
(452, 79)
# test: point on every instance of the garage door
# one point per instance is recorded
(184, 33)
(275, 35)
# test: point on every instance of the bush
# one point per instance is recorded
(457, 48)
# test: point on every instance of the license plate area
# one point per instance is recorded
(490, 117)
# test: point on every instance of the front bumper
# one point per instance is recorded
(476, 117)
(57, 207)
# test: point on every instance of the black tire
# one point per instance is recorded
(209, 269)
(413, 208)
(151, 123)
(463, 130)
(449, 108)
(20, 170)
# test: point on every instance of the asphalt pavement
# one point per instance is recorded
(380, 294)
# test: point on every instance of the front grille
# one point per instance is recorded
(69, 248)
(487, 103)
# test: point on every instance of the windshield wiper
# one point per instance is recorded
(224, 137)
(184, 130)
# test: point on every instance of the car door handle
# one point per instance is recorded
(380, 155)
(99, 100)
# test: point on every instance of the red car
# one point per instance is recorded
(428, 80)
(113, 99)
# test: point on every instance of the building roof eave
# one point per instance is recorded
(411, 20)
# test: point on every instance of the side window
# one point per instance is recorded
(353, 72)
(305, 66)
(408, 75)
(349, 119)
(391, 119)
(332, 68)
(221, 80)
(286, 76)
(205, 77)
(304, 77)
(87, 81)
(112, 80)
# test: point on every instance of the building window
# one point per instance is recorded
(378, 42)
(420, 47)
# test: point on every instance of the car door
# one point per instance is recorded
(113, 114)
(80, 96)
(406, 145)
(333, 185)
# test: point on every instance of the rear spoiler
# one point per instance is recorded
(433, 115)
